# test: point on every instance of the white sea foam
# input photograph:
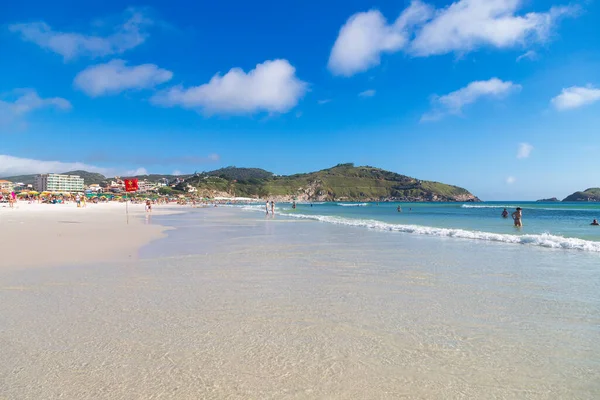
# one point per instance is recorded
(543, 240)
(352, 204)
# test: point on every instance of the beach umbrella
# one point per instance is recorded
(33, 192)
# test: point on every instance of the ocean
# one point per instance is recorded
(552, 225)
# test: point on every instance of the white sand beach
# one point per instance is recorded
(62, 234)
(233, 305)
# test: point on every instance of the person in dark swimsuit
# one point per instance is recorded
(505, 213)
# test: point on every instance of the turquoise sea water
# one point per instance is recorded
(553, 225)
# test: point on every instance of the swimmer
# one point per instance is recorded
(517, 216)
(595, 223)
(505, 213)
(399, 209)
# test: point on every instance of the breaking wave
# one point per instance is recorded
(542, 240)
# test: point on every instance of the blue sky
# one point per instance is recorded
(501, 97)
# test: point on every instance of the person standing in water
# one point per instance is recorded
(517, 217)
(267, 207)
(505, 213)
(399, 209)
(272, 207)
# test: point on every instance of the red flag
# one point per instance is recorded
(131, 185)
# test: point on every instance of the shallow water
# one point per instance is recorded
(233, 305)
(555, 225)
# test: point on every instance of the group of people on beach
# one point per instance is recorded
(270, 206)
(11, 198)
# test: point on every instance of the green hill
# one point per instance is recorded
(592, 194)
(89, 178)
(344, 182)
(241, 174)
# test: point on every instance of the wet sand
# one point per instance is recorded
(233, 306)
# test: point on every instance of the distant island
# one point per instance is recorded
(344, 182)
(550, 200)
(592, 194)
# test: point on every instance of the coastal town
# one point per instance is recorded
(52, 187)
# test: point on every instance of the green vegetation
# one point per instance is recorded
(339, 183)
(89, 178)
(592, 194)
(241, 174)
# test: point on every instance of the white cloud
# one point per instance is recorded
(115, 77)
(366, 35)
(524, 151)
(454, 102)
(367, 93)
(176, 172)
(510, 180)
(575, 97)
(10, 165)
(468, 24)
(422, 31)
(24, 101)
(324, 101)
(529, 55)
(70, 45)
(272, 87)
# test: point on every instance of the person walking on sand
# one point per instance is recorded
(78, 201)
(517, 217)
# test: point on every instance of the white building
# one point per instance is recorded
(59, 183)
(95, 188)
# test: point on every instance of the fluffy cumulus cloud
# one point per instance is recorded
(20, 102)
(115, 77)
(524, 150)
(366, 35)
(575, 97)
(270, 87)
(70, 45)
(453, 103)
(421, 31)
